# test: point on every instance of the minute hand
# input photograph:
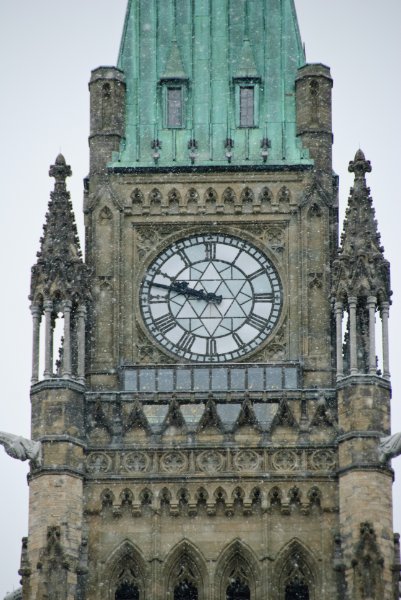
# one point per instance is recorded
(182, 288)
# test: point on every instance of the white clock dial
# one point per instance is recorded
(211, 298)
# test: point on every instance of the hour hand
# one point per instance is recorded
(181, 287)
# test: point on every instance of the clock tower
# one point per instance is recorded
(210, 426)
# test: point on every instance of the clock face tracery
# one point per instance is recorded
(211, 298)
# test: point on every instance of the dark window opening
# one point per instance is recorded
(174, 107)
(185, 590)
(246, 106)
(127, 591)
(296, 591)
(238, 590)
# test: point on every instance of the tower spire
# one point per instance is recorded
(181, 85)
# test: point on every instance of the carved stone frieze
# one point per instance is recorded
(99, 462)
(285, 460)
(201, 200)
(322, 460)
(247, 460)
(173, 462)
(210, 461)
(136, 462)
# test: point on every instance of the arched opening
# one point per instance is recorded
(297, 574)
(185, 590)
(238, 590)
(296, 590)
(126, 574)
(127, 591)
(237, 574)
(186, 573)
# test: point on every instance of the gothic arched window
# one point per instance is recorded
(127, 591)
(185, 590)
(297, 579)
(238, 590)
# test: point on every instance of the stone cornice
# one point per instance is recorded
(363, 379)
(59, 470)
(63, 438)
(361, 466)
(359, 434)
(57, 384)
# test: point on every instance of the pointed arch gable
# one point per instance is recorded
(185, 563)
(125, 564)
(105, 195)
(237, 562)
(315, 194)
(296, 562)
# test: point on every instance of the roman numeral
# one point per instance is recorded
(257, 273)
(157, 299)
(210, 250)
(268, 297)
(184, 258)
(165, 323)
(257, 322)
(238, 340)
(186, 341)
(211, 346)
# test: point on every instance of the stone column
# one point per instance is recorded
(81, 317)
(66, 366)
(338, 307)
(352, 335)
(371, 304)
(36, 312)
(48, 307)
(386, 361)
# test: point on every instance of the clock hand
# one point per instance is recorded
(182, 288)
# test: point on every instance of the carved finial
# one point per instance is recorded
(360, 268)
(59, 258)
(60, 171)
(359, 166)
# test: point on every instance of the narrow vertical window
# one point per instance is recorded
(174, 107)
(246, 98)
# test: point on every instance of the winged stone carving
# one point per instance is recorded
(20, 448)
(389, 447)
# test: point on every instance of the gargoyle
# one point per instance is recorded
(389, 447)
(20, 448)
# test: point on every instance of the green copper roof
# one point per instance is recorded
(200, 55)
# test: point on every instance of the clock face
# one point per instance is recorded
(211, 298)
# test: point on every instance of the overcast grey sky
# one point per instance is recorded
(47, 51)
